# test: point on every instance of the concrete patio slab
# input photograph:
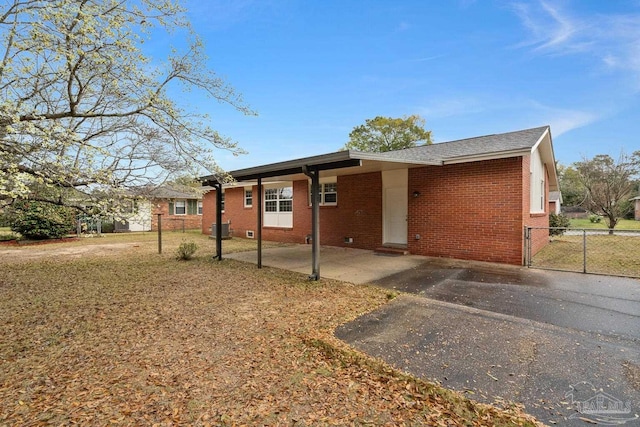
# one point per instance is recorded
(349, 265)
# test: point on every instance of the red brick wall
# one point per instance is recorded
(467, 211)
(172, 222)
(358, 213)
(637, 210)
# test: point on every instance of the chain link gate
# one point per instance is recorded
(583, 250)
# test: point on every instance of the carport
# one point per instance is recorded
(339, 163)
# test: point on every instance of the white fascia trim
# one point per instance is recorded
(544, 134)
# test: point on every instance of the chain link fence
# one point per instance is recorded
(585, 250)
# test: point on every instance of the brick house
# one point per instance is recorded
(555, 202)
(466, 199)
(181, 207)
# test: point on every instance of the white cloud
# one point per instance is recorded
(613, 39)
(561, 120)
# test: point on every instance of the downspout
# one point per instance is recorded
(315, 220)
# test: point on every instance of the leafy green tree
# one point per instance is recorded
(573, 192)
(83, 107)
(608, 184)
(41, 220)
(382, 134)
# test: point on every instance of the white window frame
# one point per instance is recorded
(323, 182)
(537, 184)
(199, 207)
(278, 217)
(184, 206)
(250, 197)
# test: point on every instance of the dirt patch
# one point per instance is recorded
(22, 253)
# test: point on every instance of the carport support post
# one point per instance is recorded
(218, 188)
(259, 225)
(315, 220)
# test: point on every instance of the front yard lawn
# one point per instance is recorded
(623, 224)
(130, 337)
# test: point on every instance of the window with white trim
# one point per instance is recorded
(180, 207)
(278, 205)
(199, 207)
(328, 192)
(222, 202)
(248, 197)
(537, 185)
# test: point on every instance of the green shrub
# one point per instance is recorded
(39, 220)
(595, 219)
(186, 250)
(558, 220)
(107, 227)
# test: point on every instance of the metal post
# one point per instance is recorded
(259, 225)
(527, 261)
(584, 251)
(218, 188)
(315, 221)
(159, 233)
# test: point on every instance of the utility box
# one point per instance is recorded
(225, 231)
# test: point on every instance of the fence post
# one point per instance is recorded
(159, 233)
(527, 246)
(584, 251)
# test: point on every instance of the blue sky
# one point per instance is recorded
(315, 69)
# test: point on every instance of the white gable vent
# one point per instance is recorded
(249, 234)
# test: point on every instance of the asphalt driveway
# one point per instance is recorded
(551, 341)
(559, 343)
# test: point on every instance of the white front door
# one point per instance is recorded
(394, 199)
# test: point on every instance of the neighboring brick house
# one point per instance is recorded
(555, 202)
(467, 199)
(180, 206)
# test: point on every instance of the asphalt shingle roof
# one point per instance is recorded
(478, 146)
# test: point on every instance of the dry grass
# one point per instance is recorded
(130, 337)
(606, 254)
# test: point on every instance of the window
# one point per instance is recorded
(537, 185)
(180, 207)
(130, 207)
(185, 207)
(222, 202)
(192, 207)
(328, 193)
(248, 198)
(278, 206)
